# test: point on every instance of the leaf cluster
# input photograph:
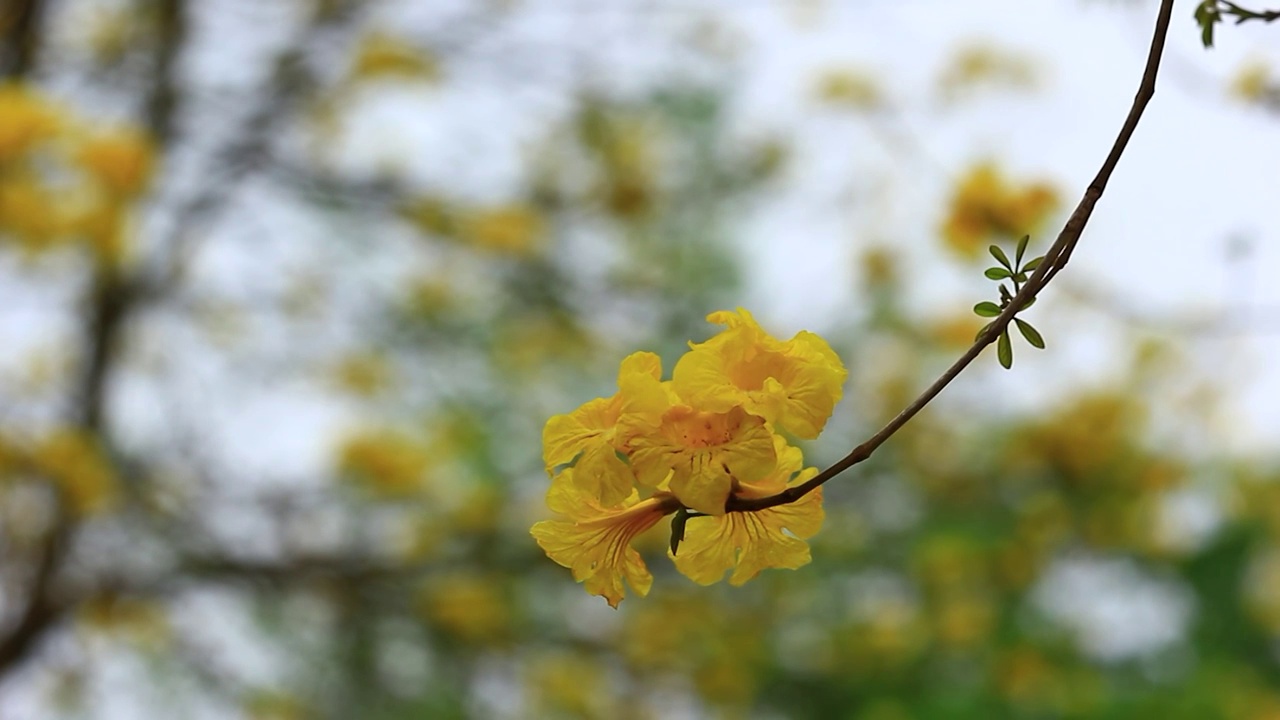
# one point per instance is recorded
(1017, 273)
(1211, 12)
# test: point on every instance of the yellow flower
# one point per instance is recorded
(121, 161)
(25, 121)
(383, 55)
(31, 213)
(1252, 81)
(977, 66)
(985, 204)
(388, 463)
(795, 384)
(365, 374)
(849, 87)
(595, 542)
(473, 608)
(76, 463)
(748, 542)
(513, 229)
(703, 454)
(594, 436)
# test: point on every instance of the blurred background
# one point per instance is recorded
(289, 288)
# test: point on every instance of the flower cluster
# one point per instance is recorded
(686, 445)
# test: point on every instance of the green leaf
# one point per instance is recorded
(1031, 334)
(1207, 17)
(677, 528)
(1000, 257)
(1005, 295)
(1032, 264)
(986, 309)
(1022, 248)
(979, 334)
(997, 273)
(1030, 302)
(1020, 277)
(1004, 350)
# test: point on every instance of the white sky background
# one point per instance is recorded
(1202, 169)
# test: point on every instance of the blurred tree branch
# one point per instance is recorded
(20, 23)
(250, 148)
(162, 103)
(115, 294)
(1054, 260)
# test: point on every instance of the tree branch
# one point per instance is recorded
(1055, 259)
(20, 23)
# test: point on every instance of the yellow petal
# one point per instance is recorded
(596, 545)
(564, 436)
(795, 384)
(749, 542)
(588, 435)
(704, 452)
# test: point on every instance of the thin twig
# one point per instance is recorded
(1245, 14)
(1055, 259)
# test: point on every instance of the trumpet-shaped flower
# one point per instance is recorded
(748, 542)
(794, 384)
(702, 454)
(593, 436)
(595, 542)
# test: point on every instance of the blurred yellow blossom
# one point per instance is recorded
(25, 121)
(982, 65)
(363, 374)
(1254, 81)
(75, 462)
(138, 619)
(32, 214)
(850, 88)
(955, 331)
(381, 55)
(986, 206)
(107, 231)
(570, 684)
(121, 160)
(964, 619)
(267, 705)
(474, 608)
(428, 297)
(507, 229)
(513, 229)
(432, 215)
(385, 462)
(623, 145)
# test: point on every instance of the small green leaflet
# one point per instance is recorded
(986, 308)
(1004, 350)
(1031, 334)
(1000, 257)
